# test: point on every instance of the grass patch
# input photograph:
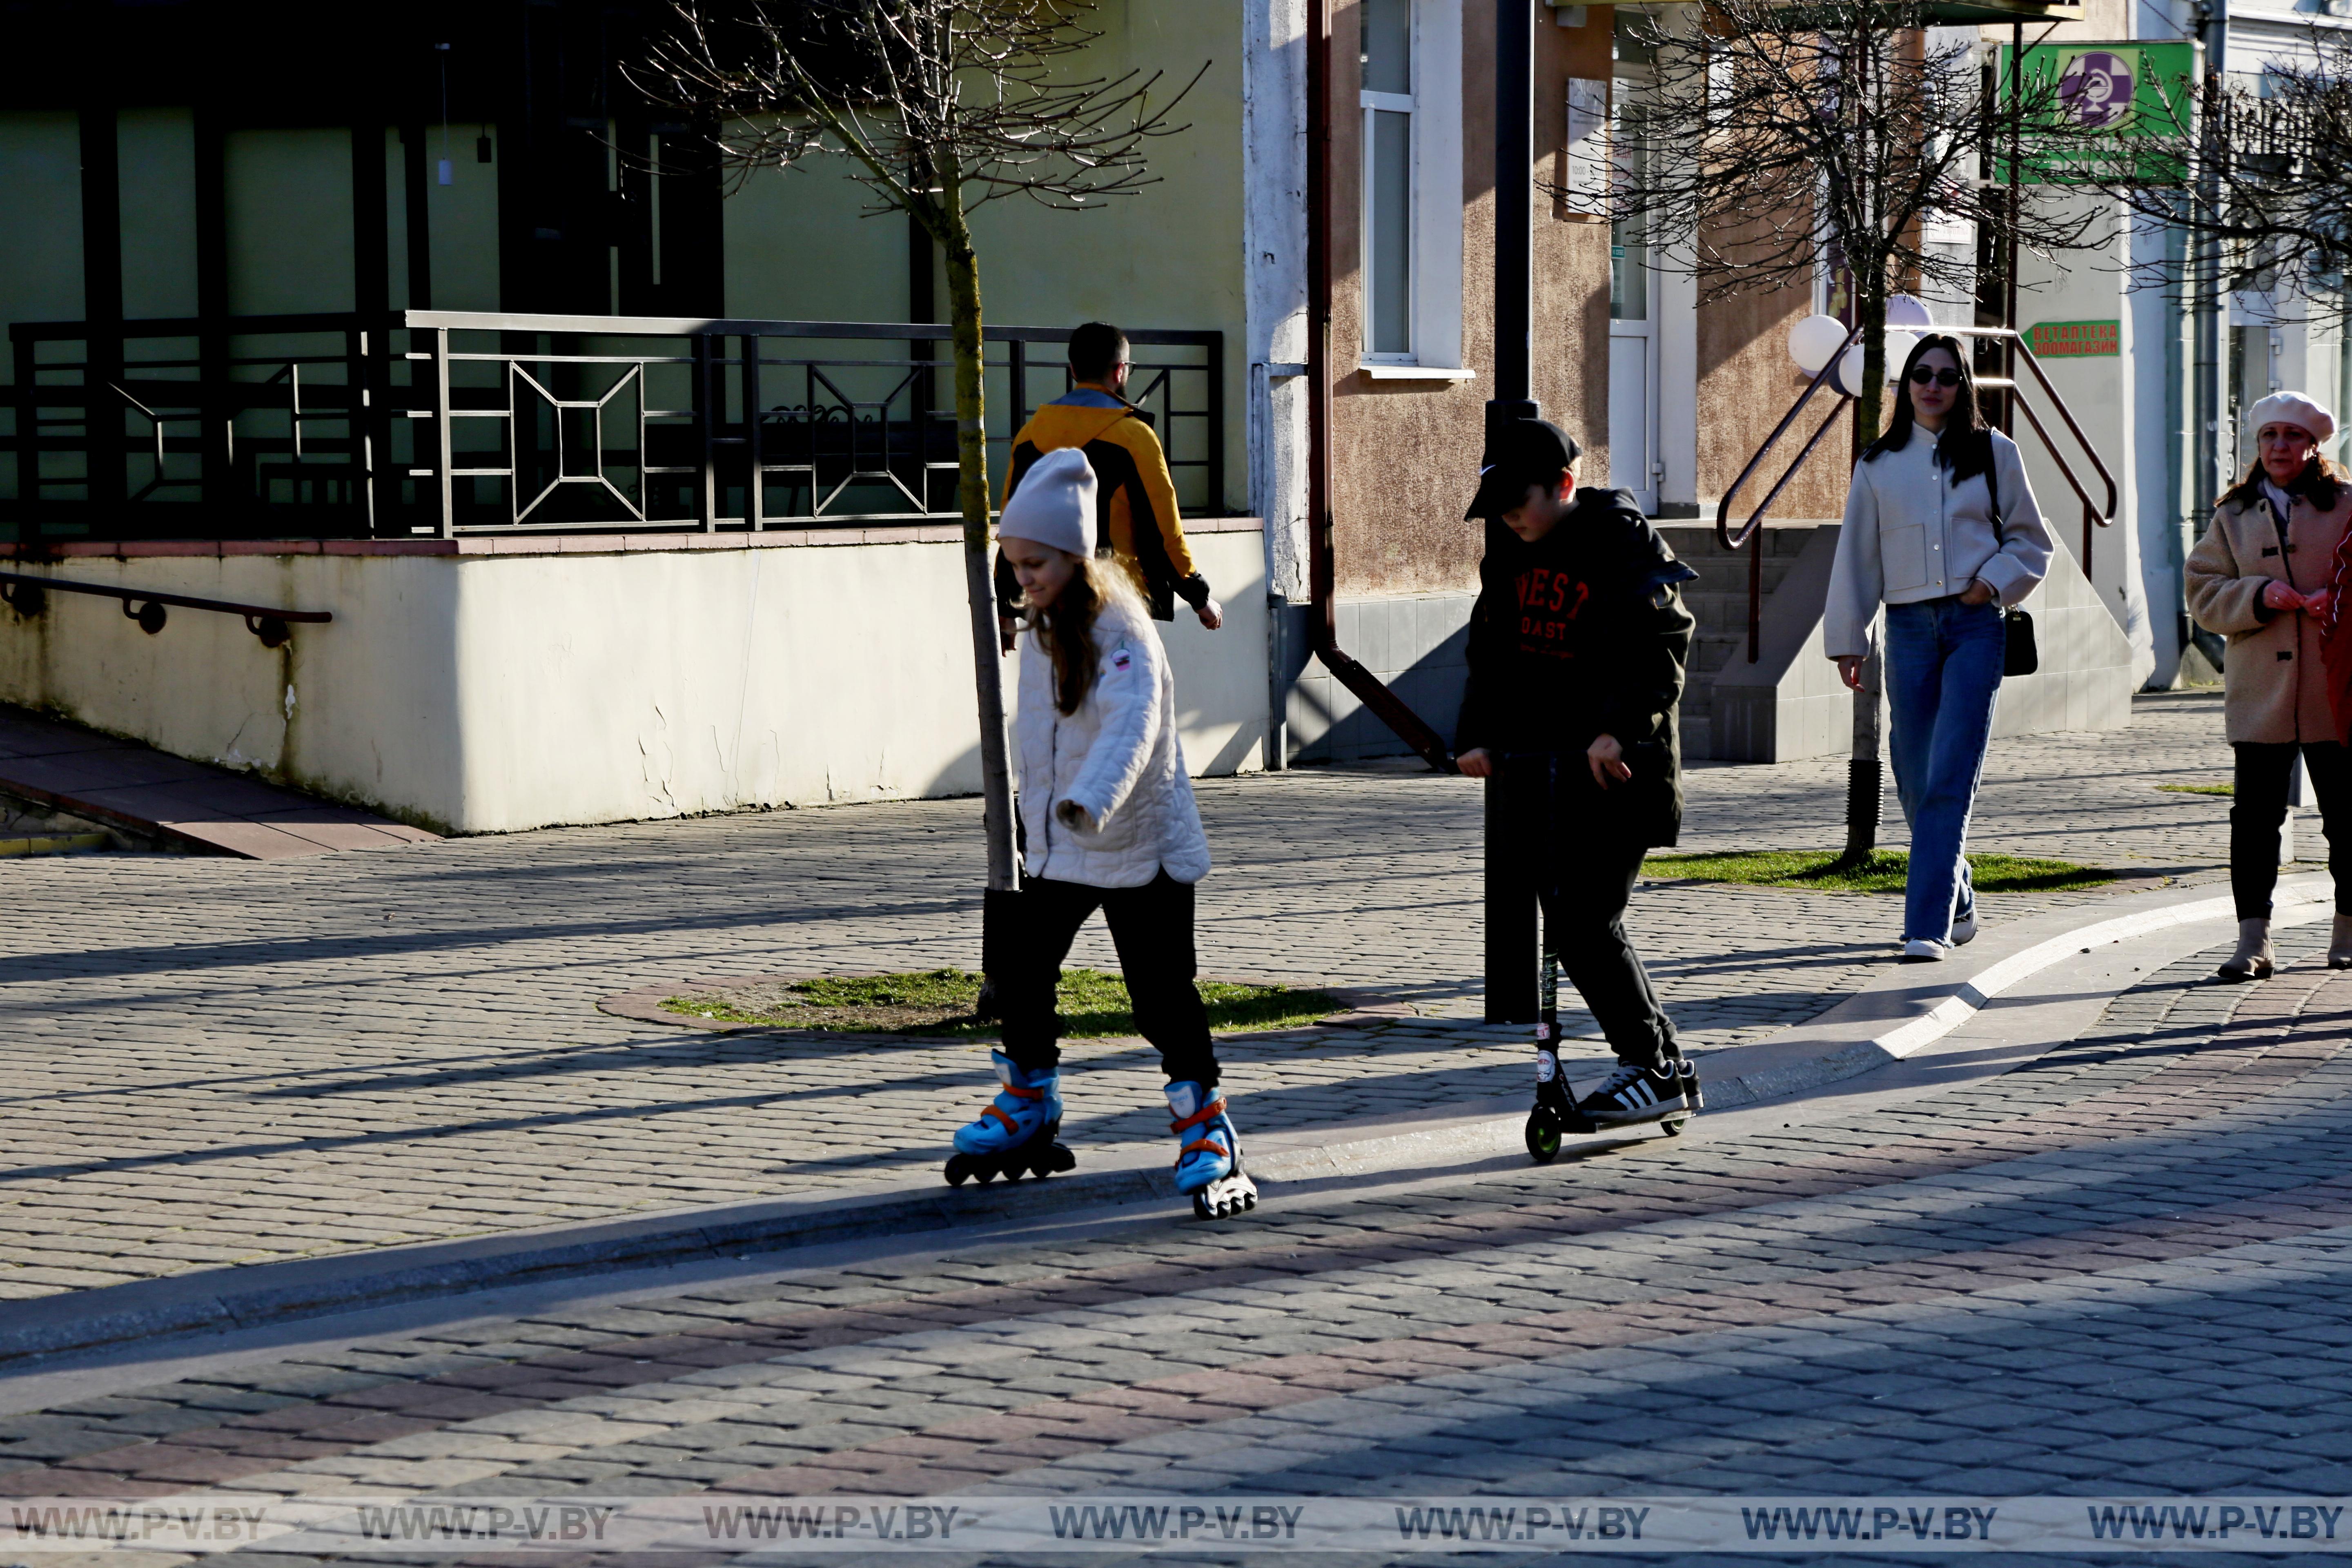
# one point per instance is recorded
(2199, 789)
(1817, 871)
(939, 1002)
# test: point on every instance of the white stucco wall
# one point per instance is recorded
(2102, 392)
(570, 680)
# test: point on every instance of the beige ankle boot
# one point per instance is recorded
(2340, 943)
(2252, 960)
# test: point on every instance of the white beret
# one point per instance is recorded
(2292, 408)
(1055, 504)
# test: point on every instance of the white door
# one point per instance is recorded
(1633, 413)
(1633, 324)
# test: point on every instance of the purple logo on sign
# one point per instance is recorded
(2096, 89)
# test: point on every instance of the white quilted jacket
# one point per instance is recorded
(1117, 757)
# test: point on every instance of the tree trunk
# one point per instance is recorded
(1864, 776)
(1870, 308)
(979, 591)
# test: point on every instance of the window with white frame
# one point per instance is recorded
(1388, 105)
(1411, 109)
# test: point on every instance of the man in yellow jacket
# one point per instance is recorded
(1134, 513)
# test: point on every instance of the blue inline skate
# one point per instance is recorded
(1018, 1131)
(1208, 1154)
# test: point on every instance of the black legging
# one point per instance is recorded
(2258, 809)
(1151, 927)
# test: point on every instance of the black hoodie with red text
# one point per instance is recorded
(1583, 634)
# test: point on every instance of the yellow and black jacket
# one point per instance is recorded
(1136, 515)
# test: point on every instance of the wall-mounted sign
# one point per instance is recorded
(2074, 339)
(2096, 94)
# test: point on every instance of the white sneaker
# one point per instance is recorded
(1925, 950)
(1964, 930)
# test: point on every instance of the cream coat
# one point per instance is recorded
(1911, 535)
(1117, 757)
(2273, 688)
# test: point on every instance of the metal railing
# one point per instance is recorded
(445, 423)
(2093, 515)
(28, 594)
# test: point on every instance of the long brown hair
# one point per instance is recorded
(1066, 628)
(1966, 448)
(2321, 482)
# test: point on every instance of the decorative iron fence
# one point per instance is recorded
(442, 423)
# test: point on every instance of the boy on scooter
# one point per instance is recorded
(1577, 650)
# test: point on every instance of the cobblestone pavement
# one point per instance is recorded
(2124, 1268)
(212, 1062)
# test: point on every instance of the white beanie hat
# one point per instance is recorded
(1055, 504)
(2292, 408)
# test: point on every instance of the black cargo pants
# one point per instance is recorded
(1584, 869)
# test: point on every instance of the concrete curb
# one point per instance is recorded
(1903, 1011)
(1915, 1006)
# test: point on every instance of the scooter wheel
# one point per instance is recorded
(1673, 1129)
(1543, 1135)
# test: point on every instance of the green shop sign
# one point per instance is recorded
(2093, 100)
(2074, 339)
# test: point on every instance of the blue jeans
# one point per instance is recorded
(1943, 672)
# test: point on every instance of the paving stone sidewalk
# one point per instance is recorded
(2123, 1269)
(215, 1062)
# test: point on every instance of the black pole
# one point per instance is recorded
(2010, 213)
(1511, 956)
(1514, 206)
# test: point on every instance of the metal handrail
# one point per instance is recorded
(2093, 514)
(22, 592)
(1755, 521)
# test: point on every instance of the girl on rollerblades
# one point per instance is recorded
(1107, 822)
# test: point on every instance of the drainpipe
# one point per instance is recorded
(2208, 465)
(1513, 932)
(1322, 623)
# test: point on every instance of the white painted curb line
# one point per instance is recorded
(2293, 905)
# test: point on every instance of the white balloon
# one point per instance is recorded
(1907, 310)
(1813, 340)
(1847, 378)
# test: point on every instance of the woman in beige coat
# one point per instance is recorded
(2261, 577)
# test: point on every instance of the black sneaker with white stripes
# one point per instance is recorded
(1633, 1094)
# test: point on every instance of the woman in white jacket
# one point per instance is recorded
(1943, 531)
(1107, 822)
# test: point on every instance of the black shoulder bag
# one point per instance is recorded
(2022, 655)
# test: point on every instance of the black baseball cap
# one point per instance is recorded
(1520, 454)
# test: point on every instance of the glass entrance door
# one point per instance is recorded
(1633, 333)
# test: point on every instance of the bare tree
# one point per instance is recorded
(1779, 138)
(1780, 134)
(2271, 173)
(941, 106)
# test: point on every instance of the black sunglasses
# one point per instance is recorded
(1923, 376)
